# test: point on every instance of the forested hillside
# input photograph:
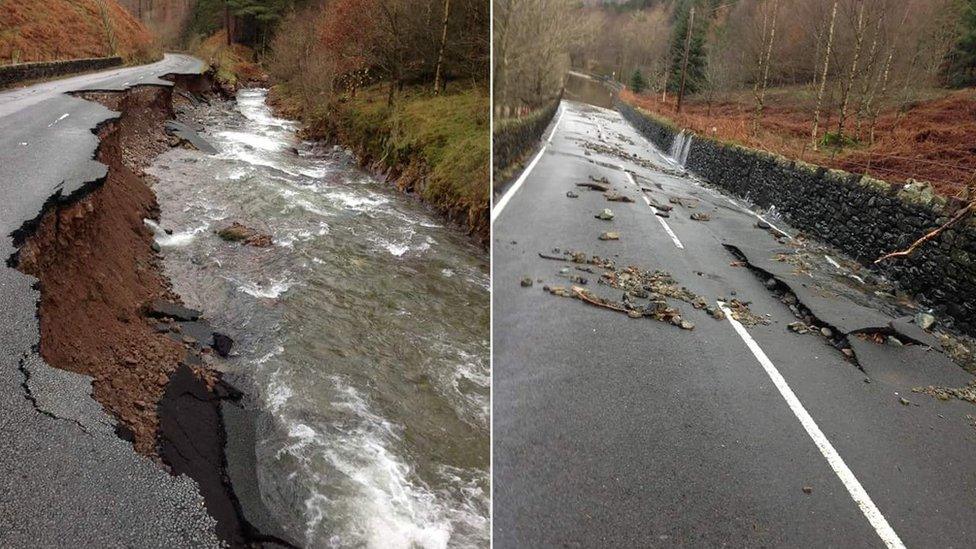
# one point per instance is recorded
(865, 85)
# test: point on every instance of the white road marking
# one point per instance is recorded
(857, 492)
(497, 210)
(62, 117)
(667, 228)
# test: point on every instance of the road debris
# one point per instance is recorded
(610, 235)
(967, 393)
(700, 216)
(740, 311)
(526, 282)
(606, 214)
(572, 194)
(613, 196)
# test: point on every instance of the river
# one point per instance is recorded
(364, 328)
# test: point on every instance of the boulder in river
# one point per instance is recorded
(237, 232)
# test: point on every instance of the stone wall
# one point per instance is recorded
(513, 138)
(862, 216)
(22, 72)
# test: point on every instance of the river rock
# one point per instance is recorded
(236, 232)
(165, 309)
(222, 344)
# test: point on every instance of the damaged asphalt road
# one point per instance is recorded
(66, 478)
(611, 430)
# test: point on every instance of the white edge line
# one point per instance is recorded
(857, 492)
(497, 210)
(667, 228)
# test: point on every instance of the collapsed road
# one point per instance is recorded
(68, 477)
(794, 422)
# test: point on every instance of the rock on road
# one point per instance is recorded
(66, 479)
(613, 431)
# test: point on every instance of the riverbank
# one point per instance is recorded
(436, 147)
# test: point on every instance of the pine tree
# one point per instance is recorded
(637, 83)
(695, 77)
(961, 65)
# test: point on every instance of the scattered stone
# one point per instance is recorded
(808, 490)
(613, 196)
(700, 216)
(610, 235)
(848, 352)
(155, 247)
(924, 320)
(763, 224)
(606, 214)
(189, 340)
(222, 344)
(687, 325)
(892, 340)
(571, 194)
(771, 284)
(662, 213)
(904, 401)
(798, 327)
(237, 232)
(826, 332)
(634, 313)
(161, 328)
(526, 282)
(165, 309)
(595, 186)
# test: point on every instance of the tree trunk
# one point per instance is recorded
(227, 24)
(764, 66)
(440, 52)
(823, 78)
(846, 92)
(684, 63)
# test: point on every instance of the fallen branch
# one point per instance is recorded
(960, 215)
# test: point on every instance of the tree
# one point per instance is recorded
(637, 83)
(823, 79)
(961, 65)
(695, 70)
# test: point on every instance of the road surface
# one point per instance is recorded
(613, 431)
(65, 478)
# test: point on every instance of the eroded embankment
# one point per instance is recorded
(107, 311)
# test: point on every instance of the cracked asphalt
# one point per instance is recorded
(614, 431)
(66, 479)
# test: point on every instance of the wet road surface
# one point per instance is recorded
(618, 431)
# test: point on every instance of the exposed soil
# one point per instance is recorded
(932, 140)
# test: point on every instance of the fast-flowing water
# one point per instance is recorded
(364, 327)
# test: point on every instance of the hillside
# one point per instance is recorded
(46, 30)
(931, 140)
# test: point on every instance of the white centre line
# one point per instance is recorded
(667, 228)
(857, 492)
(500, 205)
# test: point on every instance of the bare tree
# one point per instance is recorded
(440, 52)
(823, 78)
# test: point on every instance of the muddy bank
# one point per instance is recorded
(106, 310)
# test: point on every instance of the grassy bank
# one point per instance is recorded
(435, 146)
(928, 140)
